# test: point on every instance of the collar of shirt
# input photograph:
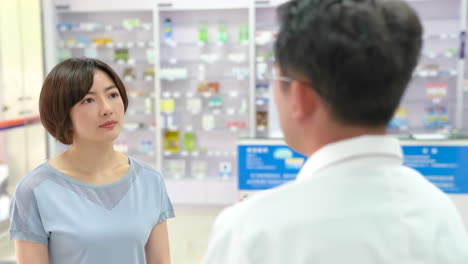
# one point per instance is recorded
(348, 150)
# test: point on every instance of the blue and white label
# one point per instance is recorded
(264, 167)
(444, 166)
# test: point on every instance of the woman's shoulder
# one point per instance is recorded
(33, 179)
(145, 170)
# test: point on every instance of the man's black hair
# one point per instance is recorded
(358, 55)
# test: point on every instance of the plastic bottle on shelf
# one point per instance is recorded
(142, 146)
(148, 105)
(243, 33)
(222, 33)
(168, 32)
(201, 72)
(203, 33)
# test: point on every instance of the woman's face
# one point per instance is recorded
(99, 115)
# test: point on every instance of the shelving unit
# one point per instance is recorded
(266, 29)
(430, 102)
(197, 75)
(124, 40)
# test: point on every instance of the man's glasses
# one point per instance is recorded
(274, 77)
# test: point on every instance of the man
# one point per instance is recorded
(342, 67)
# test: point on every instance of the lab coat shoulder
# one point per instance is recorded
(240, 233)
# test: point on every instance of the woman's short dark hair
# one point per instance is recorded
(67, 83)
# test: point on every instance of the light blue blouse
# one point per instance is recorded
(90, 224)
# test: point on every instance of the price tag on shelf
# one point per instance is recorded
(189, 95)
(148, 78)
(167, 153)
(131, 61)
(195, 154)
(147, 26)
(110, 45)
(120, 62)
(189, 128)
(233, 94)
(231, 111)
(216, 112)
(109, 28)
(166, 95)
(233, 128)
(260, 59)
(119, 45)
(177, 95)
(173, 61)
(130, 45)
(423, 73)
(184, 153)
(128, 78)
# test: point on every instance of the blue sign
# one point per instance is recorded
(264, 167)
(444, 166)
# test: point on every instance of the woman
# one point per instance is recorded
(90, 204)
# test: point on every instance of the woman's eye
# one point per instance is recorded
(114, 95)
(88, 100)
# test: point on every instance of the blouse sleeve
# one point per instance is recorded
(167, 211)
(25, 218)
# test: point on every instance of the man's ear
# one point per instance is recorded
(303, 99)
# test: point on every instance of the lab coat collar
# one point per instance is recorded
(350, 149)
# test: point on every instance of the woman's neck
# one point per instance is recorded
(91, 157)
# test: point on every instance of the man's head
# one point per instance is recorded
(355, 56)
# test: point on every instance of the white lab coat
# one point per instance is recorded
(352, 203)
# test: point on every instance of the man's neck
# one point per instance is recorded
(335, 132)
